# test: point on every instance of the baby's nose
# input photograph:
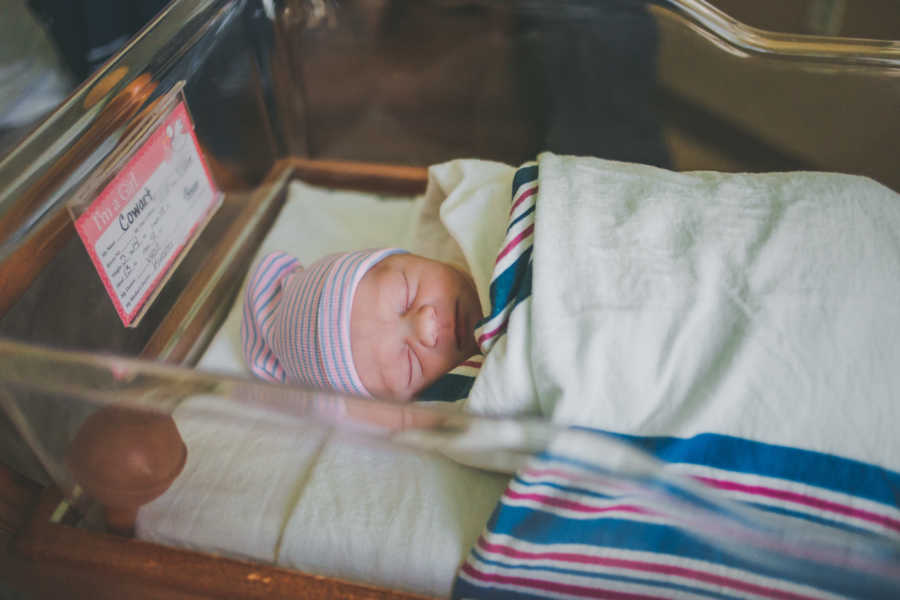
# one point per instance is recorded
(427, 326)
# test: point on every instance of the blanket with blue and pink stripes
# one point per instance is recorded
(743, 331)
(511, 279)
(565, 528)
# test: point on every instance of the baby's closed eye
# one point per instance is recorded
(415, 365)
(411, 291)
(407, 297)
(409, 365)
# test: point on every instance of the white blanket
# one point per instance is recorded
(762, 306)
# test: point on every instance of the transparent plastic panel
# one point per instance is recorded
(142, 434)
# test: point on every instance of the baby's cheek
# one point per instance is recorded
(396, 375)
(438, 368)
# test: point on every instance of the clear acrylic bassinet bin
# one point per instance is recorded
(238, 488)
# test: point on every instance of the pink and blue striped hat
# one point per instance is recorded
(296, 321)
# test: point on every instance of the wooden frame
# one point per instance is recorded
(53, 559)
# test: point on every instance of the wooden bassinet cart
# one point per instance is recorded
(363, 96)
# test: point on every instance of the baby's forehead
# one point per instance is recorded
(396, 263)
(385, 271)
(399, 269)
(379, 282)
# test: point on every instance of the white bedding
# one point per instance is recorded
(745, 330)
(300, 495)
(761, 306)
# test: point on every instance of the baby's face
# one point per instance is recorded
(412, 320)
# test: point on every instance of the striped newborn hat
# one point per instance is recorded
(296, 321)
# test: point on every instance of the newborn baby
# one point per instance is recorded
(381, 322)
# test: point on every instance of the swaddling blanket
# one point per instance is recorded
(757, 306)
(744, 329)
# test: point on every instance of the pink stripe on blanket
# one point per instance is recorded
(648, 567)
(577, 479)
(512, 243)
(564, 588)
(575, 506)
(804, 499)
(486, 336)
(526, 194)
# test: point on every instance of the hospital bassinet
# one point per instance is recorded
(359, 97)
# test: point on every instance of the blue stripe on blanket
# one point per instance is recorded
(449, 388)
(455, 385)
(520, 217)
(524, 174)
(729, 453)
(511, 287)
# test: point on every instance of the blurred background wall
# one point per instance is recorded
(49, 46)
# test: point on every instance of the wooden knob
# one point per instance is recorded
(125, 458)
